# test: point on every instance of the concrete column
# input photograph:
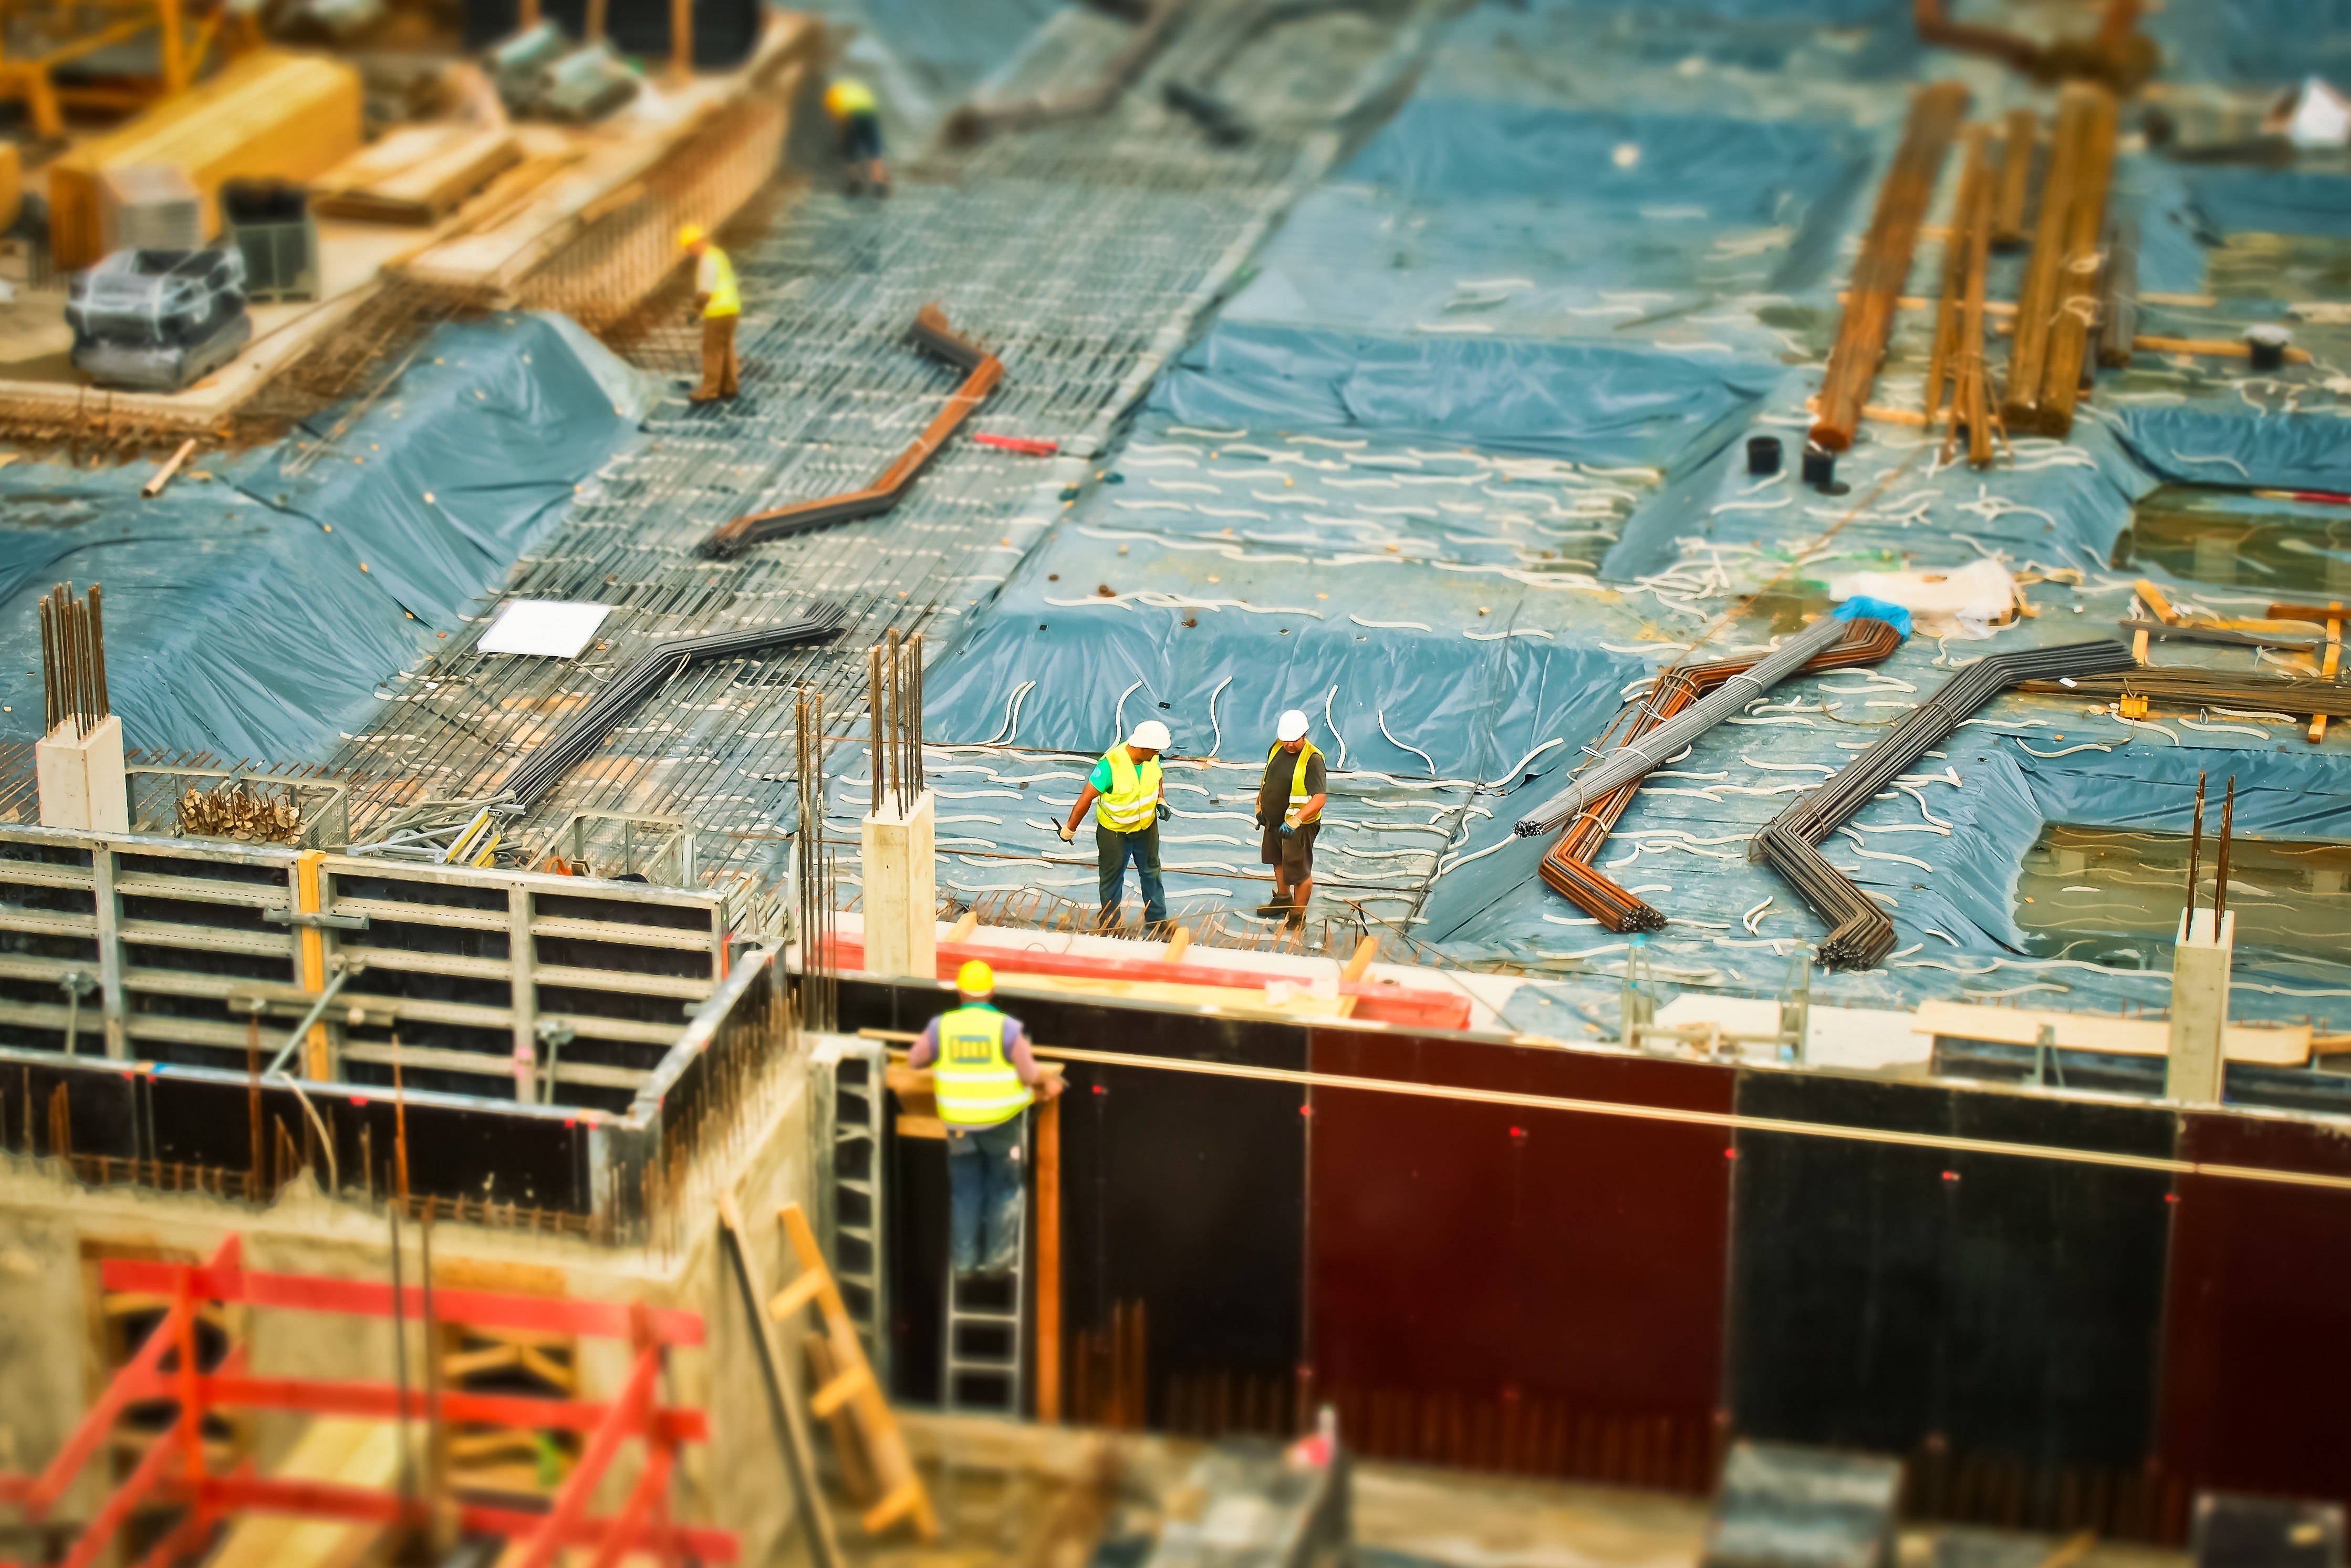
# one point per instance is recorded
(82, 778)
(2199, 1009)
(901, 898)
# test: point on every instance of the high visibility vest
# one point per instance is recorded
(1298, 794)
(847, 97)
(974, 1080)
(725, 298)
(1132, 803)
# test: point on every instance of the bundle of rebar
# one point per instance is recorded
(2192, 687)
(2057, 308)
(1157, 23)
(1958, 352)
(73, 660)
(1645, 747)
(540, 771)
(1885, 262)
(1567, 867)
(812, 877)
(1860, 934)
(894, 704)
(930, 331)
(236, 813)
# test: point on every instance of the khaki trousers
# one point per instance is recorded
(719, 366)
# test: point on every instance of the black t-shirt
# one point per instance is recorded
(1273, 793)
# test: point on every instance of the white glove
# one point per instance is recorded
(1069, 834)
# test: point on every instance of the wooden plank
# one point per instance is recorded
(2288, 1046)
(446, 164)
(1885, 262)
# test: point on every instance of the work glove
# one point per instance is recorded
(1163, 813)
(1069, 834)
(1289, 829)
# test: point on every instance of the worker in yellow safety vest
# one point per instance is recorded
(852, 105)
(718, 301)
(1290, 810)
(985, 1076)
(1129, 805)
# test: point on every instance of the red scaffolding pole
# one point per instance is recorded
(171, 1471)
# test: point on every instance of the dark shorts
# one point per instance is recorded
(861, 137)
(1295, 856)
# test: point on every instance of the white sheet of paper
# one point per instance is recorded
(549, 628)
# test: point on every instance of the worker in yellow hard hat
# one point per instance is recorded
(855, 110)
(718, 299)
(985, 1078)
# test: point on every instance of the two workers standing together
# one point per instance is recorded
(718, 295)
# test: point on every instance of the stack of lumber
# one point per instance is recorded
(269, 116)
(418, 175)
(2058, 307)
(1885, 263)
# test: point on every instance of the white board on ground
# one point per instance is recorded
(549, 628)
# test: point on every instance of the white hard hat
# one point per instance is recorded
(1149, 736)
(1293, 725)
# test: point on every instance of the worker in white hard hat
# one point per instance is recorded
(1129, 805)
(1290, 810)
(718, 301)
(985, 1076)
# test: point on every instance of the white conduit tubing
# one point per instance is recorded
(1635, 758)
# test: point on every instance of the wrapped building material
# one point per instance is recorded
(154, 320)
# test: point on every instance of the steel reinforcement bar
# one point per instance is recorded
(1861, 934)
(1644, 748)
(547, 763)
(1567, 867)
(2215, 689)
(931, 331)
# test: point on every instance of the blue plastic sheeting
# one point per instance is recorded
(2225, 445)
(1578, 402)
(253, 615)
(2272, 201)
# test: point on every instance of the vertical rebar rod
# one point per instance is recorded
(2221, 859)
(873, 715)
(915, 707)
(2196, 845)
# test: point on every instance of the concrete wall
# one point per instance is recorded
(49, 1355)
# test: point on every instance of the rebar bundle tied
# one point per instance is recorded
(813, 874)
(894, 672)
(73, 660)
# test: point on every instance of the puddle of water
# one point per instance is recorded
(2230, 539)
(2280, 266)
(1789, 612)
(2112, 897)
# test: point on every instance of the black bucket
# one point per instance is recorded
(1763, 454)
(1820, 465)
(2268, 345)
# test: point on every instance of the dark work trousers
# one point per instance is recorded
(984, 1194)
(1114, 849)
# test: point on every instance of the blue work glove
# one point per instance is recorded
(1288, 829)
(1163, 813)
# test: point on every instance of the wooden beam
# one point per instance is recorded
(1885, 262)
(1049, 1258)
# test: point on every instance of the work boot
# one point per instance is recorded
(1279, 907)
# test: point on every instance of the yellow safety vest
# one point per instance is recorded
(1132, 803)
(725, 298)
(1298, 794)
(974, 1080)
(848, 96)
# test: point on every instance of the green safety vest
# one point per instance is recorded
(1298, 794)
(1131, 802)
(726, 299)
(974, 1080)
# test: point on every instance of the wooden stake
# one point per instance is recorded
(154, 487)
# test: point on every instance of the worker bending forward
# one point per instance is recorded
(985, 1077)
(852, 105)
(1128, 801)
(720, 300)
(1290, 809)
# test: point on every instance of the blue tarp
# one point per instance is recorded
(252, 614)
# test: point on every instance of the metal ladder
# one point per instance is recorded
(846, 1152)
(985, 1338)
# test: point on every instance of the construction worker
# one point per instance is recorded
(1290, 809)
(985, 1078)
(720, 302)
(1129, 805)
(853, 109)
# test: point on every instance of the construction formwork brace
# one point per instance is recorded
(172, 1469)
(930, 331)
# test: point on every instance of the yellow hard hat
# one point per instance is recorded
(691, 234)
(976, 979)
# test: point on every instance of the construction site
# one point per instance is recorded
(670, 672)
